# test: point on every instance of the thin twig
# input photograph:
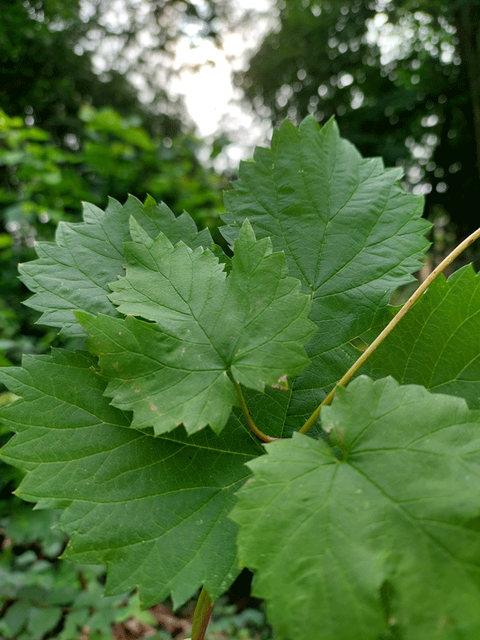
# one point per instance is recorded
(393, 323)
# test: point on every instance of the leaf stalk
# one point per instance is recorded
(390, 326)
(243, 405)
(201, 616)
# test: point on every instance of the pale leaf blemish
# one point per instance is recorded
(152, 407)
(281, 383)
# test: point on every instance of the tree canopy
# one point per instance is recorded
(402, 76)
(56, 56)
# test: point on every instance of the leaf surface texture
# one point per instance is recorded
(73, 273)
(437, 344)
(154, 510)
(204, 327)
(385, 539)
(349, 231)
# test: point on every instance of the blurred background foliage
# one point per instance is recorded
(401, 76)
(85, 114)
(42, 183)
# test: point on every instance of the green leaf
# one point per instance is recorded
(74, 272)
(251, 324)
(349, 231)
(378, 536)
(16, 617)
(153, 509)
(437, 344)
(41, 621)
(372, 531)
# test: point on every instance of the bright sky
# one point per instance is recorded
(205, 72)
(206, 84)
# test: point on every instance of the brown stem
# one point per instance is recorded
(393, 323)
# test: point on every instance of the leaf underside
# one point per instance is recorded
(73, 273)
(437, 344)
(384, 541)
(154, 510)
(349, 231)
(204, 326)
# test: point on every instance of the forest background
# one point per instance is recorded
(402, 79)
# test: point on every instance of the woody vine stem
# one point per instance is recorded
(204, 606)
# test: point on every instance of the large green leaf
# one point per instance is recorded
(371, 532)
(437, 344)
(251, 325)
(153, 509)
(350, 233)
(74, 271)
(378, 536)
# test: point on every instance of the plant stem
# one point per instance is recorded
(202, 614)
(393, 323)
(260, 435)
